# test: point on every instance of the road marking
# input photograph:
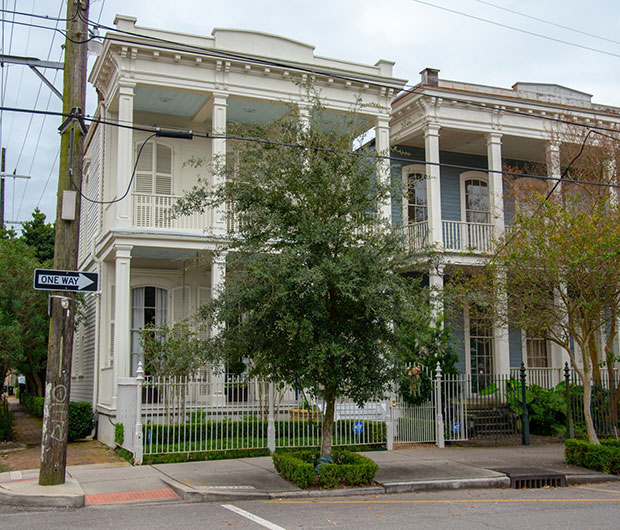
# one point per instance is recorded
(439, 501)
(597, 489)
(252, 517)
(15, 475)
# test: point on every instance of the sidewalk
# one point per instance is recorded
(410, 469)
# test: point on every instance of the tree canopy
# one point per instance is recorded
(314, 280)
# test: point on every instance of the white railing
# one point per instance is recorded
(467, 236)
(544, 377)
(155, 211)
(415, 235)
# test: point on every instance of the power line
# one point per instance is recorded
(520, 30)
(568, 28)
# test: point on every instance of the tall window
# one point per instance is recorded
(476, 201)
(480, 349)
(417, 206)
(149, 305)
(154, 171)
(536, 348)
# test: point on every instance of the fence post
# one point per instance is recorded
(525, 421)
(389, 421)
(570, 428)
(138, 448)
(439, 428)
(271, 423)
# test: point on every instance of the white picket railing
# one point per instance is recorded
(415, 236)
(467, 236)
(156, 211)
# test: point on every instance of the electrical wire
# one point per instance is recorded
(520, 30)
(568, 28)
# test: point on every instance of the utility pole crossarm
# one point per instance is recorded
(34, 64)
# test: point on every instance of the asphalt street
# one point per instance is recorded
(592, 506)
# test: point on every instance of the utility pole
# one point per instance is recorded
(60, 349)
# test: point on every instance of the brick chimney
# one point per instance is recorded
(430, 76)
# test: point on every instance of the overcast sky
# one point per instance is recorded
(411, 33)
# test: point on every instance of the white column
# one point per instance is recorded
(496, 183)
(382, 146)
(122, 314)
(435, 281)
(125, 153)
(501, 343)
(433, 186)
(554, 169)
(612, 177)
(218, 155)
(218, 276)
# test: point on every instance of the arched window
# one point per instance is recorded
(149, 305)
(415, 199)
(476, 200)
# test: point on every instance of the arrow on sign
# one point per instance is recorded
(84, 282)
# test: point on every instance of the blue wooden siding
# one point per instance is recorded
(515, 347)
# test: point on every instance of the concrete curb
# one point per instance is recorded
(448, 484)
(28, 493)
(591, 478)
(189, 494)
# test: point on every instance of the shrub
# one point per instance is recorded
(80, 420)
(119, 434)
(348, 468)
(80, 414)
(6, 421)
(604, 457)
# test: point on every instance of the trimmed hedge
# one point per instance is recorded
(348, 468)
(195, 431)
(6, 421)
(80, 414)
(604, 457)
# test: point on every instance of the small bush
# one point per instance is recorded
(348, 468)
(604, 457)
(80, 414)
(119, 434)
(6, 421)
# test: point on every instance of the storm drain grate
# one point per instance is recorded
(531, 477)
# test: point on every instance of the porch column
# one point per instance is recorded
(435, 281)
(611, 176)
(218, 277)
(501, 344)
(554, 170)
(433, 187)
(496, 183)
(382, 146)
(218, 155)
(125, 152)
(122, 314)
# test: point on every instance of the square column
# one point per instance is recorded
(218, 156)
(122, 314)
(496, 182)
(433, 185)
(435, 282)
(382, 146)
(125, 153)
(554, 170)
(218, 277)
(501, 342)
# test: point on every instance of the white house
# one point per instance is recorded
(466, 132)
(152, 267)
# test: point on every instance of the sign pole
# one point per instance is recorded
(60, 347)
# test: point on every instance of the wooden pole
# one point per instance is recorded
(60, 348)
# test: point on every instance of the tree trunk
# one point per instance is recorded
(587, 407)
(328, 425)
(609, 359)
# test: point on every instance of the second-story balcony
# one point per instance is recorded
(156, 211)
(457, 236)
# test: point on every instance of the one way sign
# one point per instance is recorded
(51, 280)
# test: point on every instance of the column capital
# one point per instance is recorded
(383, 120)
(122, 251)
(431, 129)
(552, 146)
(126, 87)
(219, 98)
(494, 138)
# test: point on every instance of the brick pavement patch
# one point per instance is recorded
(131, 496)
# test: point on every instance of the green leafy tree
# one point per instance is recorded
(314, 285)
(23, 315)
(39, 235)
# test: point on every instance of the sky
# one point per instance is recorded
(412, 33)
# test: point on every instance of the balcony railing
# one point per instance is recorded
(155, 211)
(462, 236)
(456, 235)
